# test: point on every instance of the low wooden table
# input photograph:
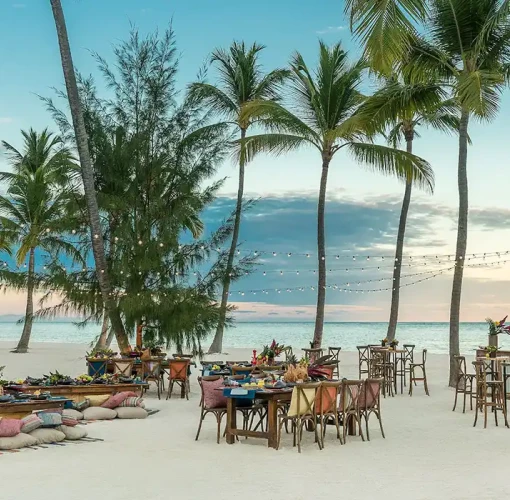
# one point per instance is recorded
(78, 392)
(272, 398)
(21, 410)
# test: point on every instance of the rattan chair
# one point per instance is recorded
(326, 407)
(207, 386)
(363, 360)
(370, 402)
(465, 383)
(335, 356)
(300, 412)
(412, 374)
(489, 394)
(178, 375)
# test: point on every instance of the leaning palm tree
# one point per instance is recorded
(87, 172)
(33, 213)
(403, 107)
(241, 81)
(325, 114)
(463, 44)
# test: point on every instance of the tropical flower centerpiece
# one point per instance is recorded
(495, 328)
(101, 353)
(490, 350)
(384, 341)
(394, 343)
(270, 352)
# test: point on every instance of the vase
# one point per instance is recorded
(383, 344)
(270, 361)
(492, 354)
(493, 340)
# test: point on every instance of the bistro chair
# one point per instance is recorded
(363, 360)
(464, 384)
(97, 367)
(212, 401)
(489, 394)
(300, 412)
(370, 402)
(123, 367)
(382, 366)
(408, 358)
(289, 355)
(326, 407)
(412, 374)
(349, 405)
(178, 374)
(335, 356)
(313, 354)
(151, 372)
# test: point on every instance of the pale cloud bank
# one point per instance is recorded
(330, 29)
(6, 119)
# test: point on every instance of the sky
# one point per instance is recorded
(363, 207)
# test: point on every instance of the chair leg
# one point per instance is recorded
(456, 393)
(411, 380)
(169, 392)
(378, 415)
(425, 382)
(202, 416)
(366, 426)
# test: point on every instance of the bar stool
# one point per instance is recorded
(414, 378)
(486, 398)
(334, 352)
(363, 360)
(464, 383)
(408, 357)
(381, 366)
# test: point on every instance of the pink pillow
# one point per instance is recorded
(212, 397)
(115, 400)
(10, 427)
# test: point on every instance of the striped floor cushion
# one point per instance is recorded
(132, 402)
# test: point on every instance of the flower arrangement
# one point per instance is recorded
(384, 341)
(497, 327)
(270, 352)
(394, 343)
(101, 353)
(490, 350)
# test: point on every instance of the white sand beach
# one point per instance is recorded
(429, 452)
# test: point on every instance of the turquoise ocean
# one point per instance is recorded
(433, 336)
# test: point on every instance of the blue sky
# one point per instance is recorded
(362, 208)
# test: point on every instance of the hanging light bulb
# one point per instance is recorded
(274, 254)
(308, 255)
(255, 253)
(73, 231)
(337, 257)
(353, 257)
(96, 236)
(47, 229)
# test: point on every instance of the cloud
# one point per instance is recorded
(6, 119)
(330, 29)
(19, 5)
(490, 219)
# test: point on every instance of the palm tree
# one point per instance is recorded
(33, 212)
(87, 172)
(241, 81)
(326, 104)
(404, 106)
(465, 45)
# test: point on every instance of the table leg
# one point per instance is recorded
(272, 423)
(231, 420)
(351, 426)
(504, 384)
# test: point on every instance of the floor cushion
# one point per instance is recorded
(97, 399)
(47, 436)
(69, 421)
(30, 423)
(77, 415)
(22, 440)
(50, 419)
(131, 412)
(81, 405)
(73, 433)
(98, 413)
(115, 400)
(10, 427)
(132, 402)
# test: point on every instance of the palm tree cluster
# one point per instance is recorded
(144, 159)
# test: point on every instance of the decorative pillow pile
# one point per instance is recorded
(47, 436)
(98, 413)
(131, 413)
(30, 423)
(51, 410)
(97, 399)
(50, 419)
(82, 405)
(22, 440)
(132, 402)
(10, 427)
(72, 433)
(117, 399)
(77, 415)
(69, 421)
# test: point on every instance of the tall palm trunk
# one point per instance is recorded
(321, 255)
(397, 268)
(29, 312)
(88, 177)
(460, 253)
(217, 343)
(101, 341)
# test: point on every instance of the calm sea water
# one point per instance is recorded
(433, 336)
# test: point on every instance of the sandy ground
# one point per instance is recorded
(429, 451)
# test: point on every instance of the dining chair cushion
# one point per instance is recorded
(132, 402)
(303, 404)
(73, 433)
(97, 399)
(22, 440)
(77, 415)
(47, 436)
(115, 400)
(30, 423)
(98, 413)
(131, 413)
(10, 427)
(212, 397)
